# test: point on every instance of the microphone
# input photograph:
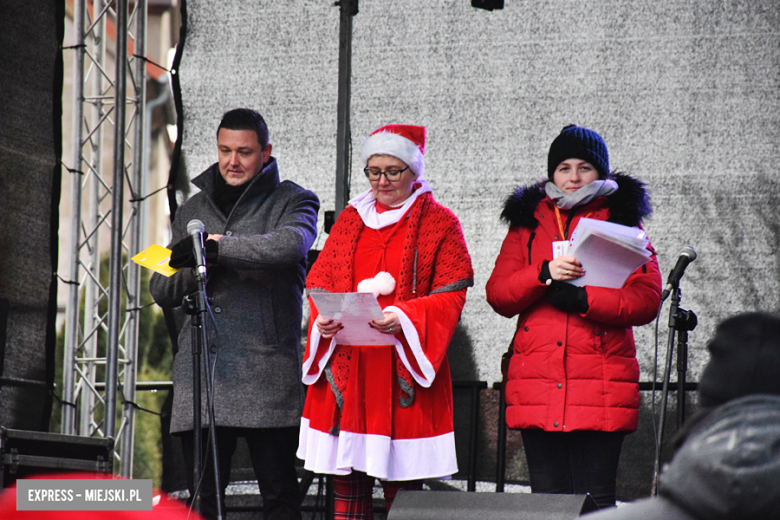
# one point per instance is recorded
(196, 228)
(684, 257)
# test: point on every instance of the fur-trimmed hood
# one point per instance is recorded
(628, 206)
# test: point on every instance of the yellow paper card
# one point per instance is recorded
(155, 258)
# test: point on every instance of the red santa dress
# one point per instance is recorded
(387, 410)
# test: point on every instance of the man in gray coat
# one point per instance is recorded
(259, 231)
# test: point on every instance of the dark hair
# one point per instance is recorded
(245, 119)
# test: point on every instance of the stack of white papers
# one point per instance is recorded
(609, 252)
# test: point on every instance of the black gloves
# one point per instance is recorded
(544, 274)
(181, 253)
(567, 297)
(563, 296)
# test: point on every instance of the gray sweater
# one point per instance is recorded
(256, 286)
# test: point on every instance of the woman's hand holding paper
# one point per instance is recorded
(565, 268)
(390, 325)
(328, 328)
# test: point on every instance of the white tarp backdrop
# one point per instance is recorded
(685, 93)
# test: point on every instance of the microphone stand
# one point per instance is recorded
(191, 306)
(197, 310)
(681, 321)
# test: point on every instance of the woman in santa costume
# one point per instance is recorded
(386, 411)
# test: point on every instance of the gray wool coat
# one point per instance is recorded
(256, 286)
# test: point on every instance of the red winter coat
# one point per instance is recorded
(571, 371)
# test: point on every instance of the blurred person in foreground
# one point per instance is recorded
(727, 462)
(386, 411)
(259, 230)
(572, 381)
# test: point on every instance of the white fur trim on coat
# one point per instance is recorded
(365, 204)
(425, 379)
(314, 345)
(377, 455)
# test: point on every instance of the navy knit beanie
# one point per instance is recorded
(577, 142)
(745, 359)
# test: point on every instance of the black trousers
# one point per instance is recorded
(578, 463)
(272, 451)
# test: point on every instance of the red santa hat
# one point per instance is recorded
(406, 142)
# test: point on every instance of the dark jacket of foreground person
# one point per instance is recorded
(728, 468)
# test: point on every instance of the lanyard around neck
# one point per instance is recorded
(560, 222)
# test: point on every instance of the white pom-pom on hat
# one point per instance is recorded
(406, 142)
(382, 283)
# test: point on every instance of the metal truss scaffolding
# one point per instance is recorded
(101, 323)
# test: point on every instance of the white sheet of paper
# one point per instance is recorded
(606, 262)
(354, 311)
(629, 236)
(609, 252)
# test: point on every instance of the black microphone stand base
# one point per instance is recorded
(681, 321)
(195, 306)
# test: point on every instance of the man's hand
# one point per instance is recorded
(212, 249)
(181, 252)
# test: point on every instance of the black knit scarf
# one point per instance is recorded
(225, 195)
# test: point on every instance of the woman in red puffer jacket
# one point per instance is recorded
(572, 381)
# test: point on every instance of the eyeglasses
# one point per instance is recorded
(393, 174)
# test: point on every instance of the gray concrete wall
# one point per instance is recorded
(685, 93)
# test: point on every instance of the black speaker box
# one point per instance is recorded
(26, 453)
(454, 505)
